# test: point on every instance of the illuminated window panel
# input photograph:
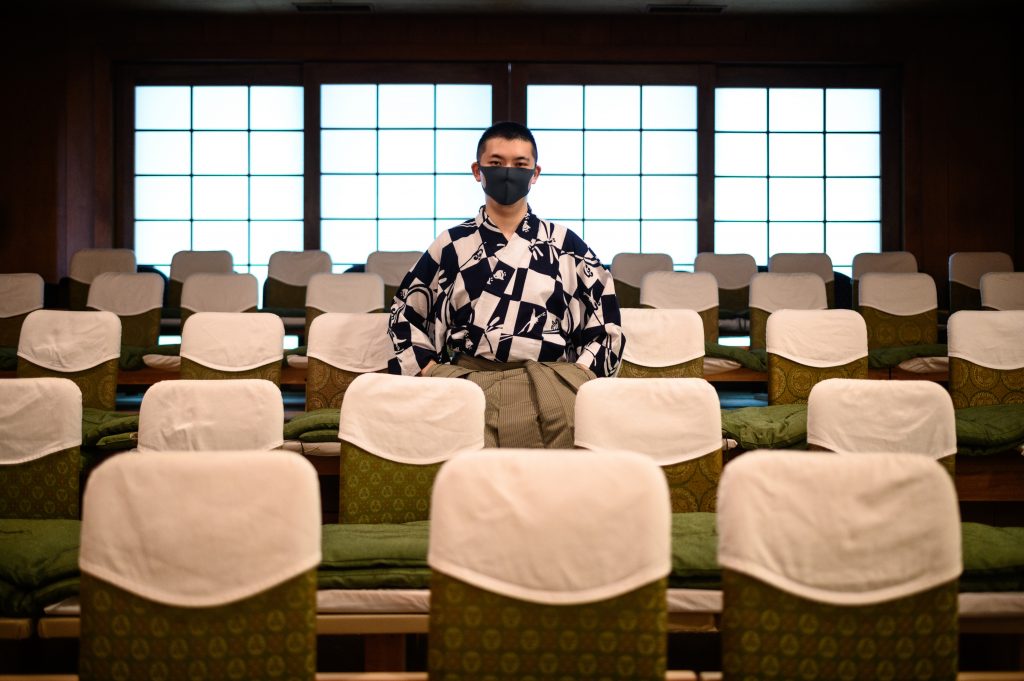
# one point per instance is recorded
(797, 170)
(218, 168)
(619, 165)
(395, 164)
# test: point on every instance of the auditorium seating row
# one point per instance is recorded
(429, 528)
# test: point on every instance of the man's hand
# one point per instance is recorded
(426, 370)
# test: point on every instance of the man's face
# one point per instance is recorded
(502, 152)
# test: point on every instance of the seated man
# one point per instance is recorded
(520, 306)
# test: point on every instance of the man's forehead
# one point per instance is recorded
(507, 149)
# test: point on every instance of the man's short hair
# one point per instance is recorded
(506, 130)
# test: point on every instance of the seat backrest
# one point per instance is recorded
(40, 435)
(731, 270)
(186, 263)
(696, 291)
(341, 347)
(392, 266)
(196, 416)
(218, 552)
(233, 345)
(816, 263)
(19, 294)
(899, 308)
(675, 421)
(772, 291)
(889, 261)
(208, 292)
(288, 276)
(502, 519)
(1002, 291)
(668, 343)
(628, 270)
(808, 346)
(82, 346)
(965, 270)
(872, 541)
(911, 417)
(90, 262)
(986, 357)
(137, 298)
(347, 292)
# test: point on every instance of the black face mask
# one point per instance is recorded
(506, 185)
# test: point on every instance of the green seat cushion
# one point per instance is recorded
(99, 425)
(756, 360)
(886, 358)
(694, 552)
(8, 358)
(131, 355)
(780, 426)
(312, 436)
(989, 429)
(316, 421)
(38, 564)
(993, 558)
(374, 556)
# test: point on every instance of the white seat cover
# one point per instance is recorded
(890, 261)
(38, 416)
(296, 267)
(233, 341)
(348, 292)
(206, 292)
(350, 341)
(967, 267)
(680, 290)
(731, 270)
(186, 263)
(662, 337)
(201, 529)
(817, 338)
(126, 294)
(902, 294)
(70, 341)
(993, 339)
(670, 420)
(793, 263)
(630, 268)
(412, 419)
(392, 266)
(89, 262)
(1002, 290)
(236, 414)
(771, 291)
(851, 415)
(844, 530)
(20, 293)
(556, 527)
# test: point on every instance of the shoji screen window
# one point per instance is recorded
(395, 164)
(218, 168)
(797, 170)
(619, 166)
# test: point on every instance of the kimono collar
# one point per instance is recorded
(527, 229)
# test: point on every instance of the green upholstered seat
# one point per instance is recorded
(663, 343)
(696, 291)
(772, 291)
(986, 358)
(225, 345)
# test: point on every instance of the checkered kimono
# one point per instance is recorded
(541, 295)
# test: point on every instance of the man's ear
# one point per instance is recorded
(536, 174)
(476, 171)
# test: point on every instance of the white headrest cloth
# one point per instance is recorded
(630, 268)
(1002, 290)
(126, 293)
(771, 291)
(206, 292)
(296, 267)
(233, 341)
(731, 270)
(851, 415)
(662, 337)
(20, 293)
(680, 290)
(186, 263)
(348, 292)
(966, 268)
(669, 419)
(201, 529)
(890, 261)
(817, 338)
(350, 341)
(843, 530)
(392, 266)
(554, 526)
(412, 419)
(38, 416)
(70, 341)
(901, 294)
(993, 339)
(194, 416)
(89, 262)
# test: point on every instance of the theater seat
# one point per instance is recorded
(965, 271)
(391, 266)
(732, 272)
(347, 292)
(1002, 291)
(771, 291)
(628, 271)
(901, 313)
(186, 263)
(696, 291)
(136, 298)
(663, 343)
(88, 263)
(19, 295)
(815, 263)
(218, 345)
(288, 275)
(888, 261)
(206, 292)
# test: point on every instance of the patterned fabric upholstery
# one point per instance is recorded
(141, 330)
(46, 487)
(483, 635)
(98, 384)
(692, 369)
(10, 330)
(790, 382)
(326, 384)
(193, 370)
(769, 634)
(758, 328)
(972, 385)
(376, 490)
(888, 330)
(693, 484)
(279, 294)
(735, 300)
(270, 635)
(710, 319)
